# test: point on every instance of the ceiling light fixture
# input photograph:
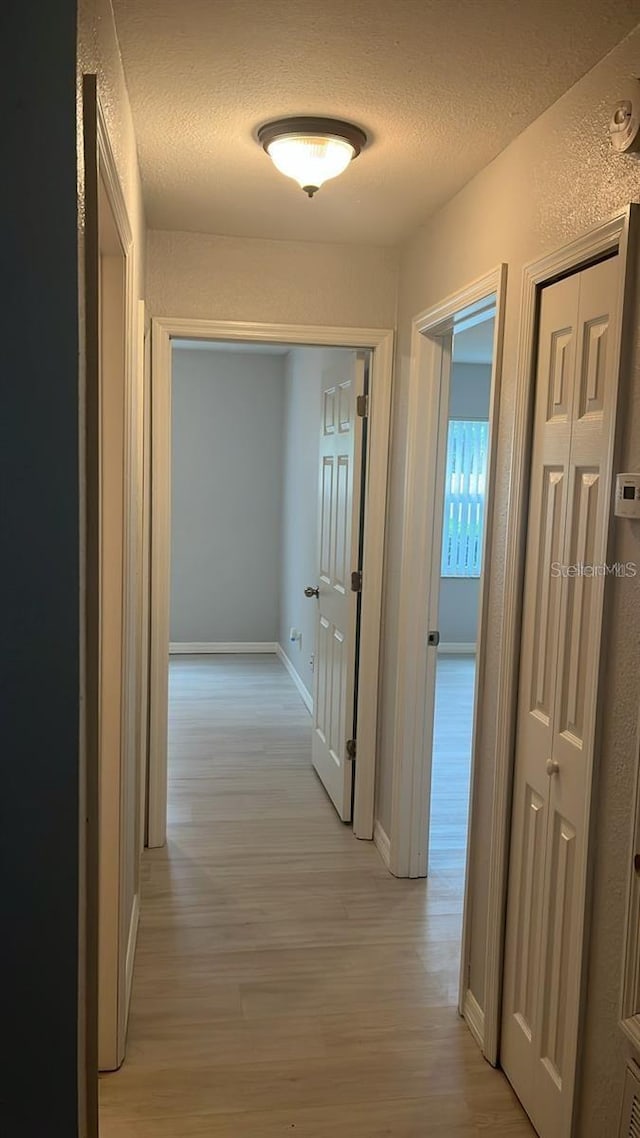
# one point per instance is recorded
(311, 150)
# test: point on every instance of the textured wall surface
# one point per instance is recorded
(226, 421)
(282, 282)
(555, 181)
(99, 54)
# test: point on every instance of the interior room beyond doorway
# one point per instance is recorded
(463, 520)
(268, 515)
(244, 518)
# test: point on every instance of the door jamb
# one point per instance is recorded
(380, 342)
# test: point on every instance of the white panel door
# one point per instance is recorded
(339, 490)
(562, 614)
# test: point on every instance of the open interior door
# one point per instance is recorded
(337, 593)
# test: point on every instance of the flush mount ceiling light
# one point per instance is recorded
(311, 150)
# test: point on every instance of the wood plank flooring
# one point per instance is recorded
(284, 981)
(451, 768)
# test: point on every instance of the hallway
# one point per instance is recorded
(284, 980)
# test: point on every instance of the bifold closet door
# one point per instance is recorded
(576, 385)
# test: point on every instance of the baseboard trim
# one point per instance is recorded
(453, 649)
(474, 1017)
(206, 648)
(382, 843)
(307, 698)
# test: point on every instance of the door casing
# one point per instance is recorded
(380, 342)
(110, 778)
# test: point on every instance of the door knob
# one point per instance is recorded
(311, 592)
(553, 766)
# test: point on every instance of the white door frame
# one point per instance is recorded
(428, 390)
(110, 858)
(143, 439)
(380, 342)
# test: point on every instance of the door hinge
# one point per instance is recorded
(356, 581)
(362, 406)
(351, 748)
(433, 637)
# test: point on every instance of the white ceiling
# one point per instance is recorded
(441, 86)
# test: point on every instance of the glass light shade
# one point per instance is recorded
(310, 159)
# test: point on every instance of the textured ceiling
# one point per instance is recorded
(441, 86)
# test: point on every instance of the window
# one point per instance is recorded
(464, 497)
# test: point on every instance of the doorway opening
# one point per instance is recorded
(340, 511)
(268, 456)
(463, 446)
(452, 415)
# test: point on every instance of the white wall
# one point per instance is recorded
(458, 606)
(227, 419)
(283, 282)
(299, 506)
(556, 180)
(470, 390)
(245, 435)
(458, 610)
(302, 406)
(99, 53)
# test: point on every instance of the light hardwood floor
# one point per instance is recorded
(451, 768)
(284, 982)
